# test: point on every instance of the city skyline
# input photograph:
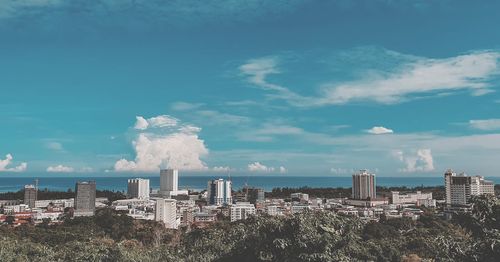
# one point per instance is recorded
(281, 88)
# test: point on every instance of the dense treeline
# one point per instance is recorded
(321, 236)
(47, 195)
(340, 192)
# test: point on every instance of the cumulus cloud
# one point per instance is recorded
(164, 142)
(60, 169)
(5, 163)
(421, 162)
(409, 78)
(486, 124)
(379, 130)
(259, 167)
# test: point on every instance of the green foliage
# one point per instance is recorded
(311, 236)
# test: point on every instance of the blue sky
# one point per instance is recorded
(403, 88)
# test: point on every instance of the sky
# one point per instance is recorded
(316, 88)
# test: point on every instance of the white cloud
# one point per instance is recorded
(338, 170)
(4, 163)
(413, 77)
(221, 169)
(156, 122)
(56, 146)
(259, 167)
(10, 8)
(141, 123)
(60, 169)
(486, 124)
(165, 143)
(184, 106)
(421, 162)
(379, 130)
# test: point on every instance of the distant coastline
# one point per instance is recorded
(119, 183)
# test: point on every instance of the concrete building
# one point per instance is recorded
(261, 196)
(242, 210)
(363, 185)
(299, 196)
(85, 198)
(30, 195)
(138, 188)
(460, 188)
(169, 183)
(219, 192)
(166, 212)
(416, 198)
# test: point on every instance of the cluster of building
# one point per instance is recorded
(177, 208)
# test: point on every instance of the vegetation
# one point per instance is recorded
(321, 236)
(46, 195)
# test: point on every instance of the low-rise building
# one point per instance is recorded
(242, 210)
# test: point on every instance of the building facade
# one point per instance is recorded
(138, 188)
(166, 212)
(242, 210)
(169, 183)
(85, 198)
(30, 195)
(219, 192)
(460, 188)
(416, 198)
(363, 185)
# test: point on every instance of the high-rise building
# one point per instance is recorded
(459, 188)
(363, 185)
(219, 192)
(169, 183)
(166, 212)
(138, 188)
(30, 195)
(242, 210)
(261, 197)
(85, 198)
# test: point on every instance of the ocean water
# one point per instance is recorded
(200, 182)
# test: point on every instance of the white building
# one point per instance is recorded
(219, 192)
(166, 212)
(300, 196)
(242, 210)
(460, 188)
(138, 188)
(70, 202)
(416, 198)
(169, 183)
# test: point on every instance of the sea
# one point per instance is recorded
(198, 183)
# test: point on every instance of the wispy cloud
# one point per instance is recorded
(408, 79)
(60, 169)
(485, 124)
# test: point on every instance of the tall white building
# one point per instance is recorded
(166, 212)
(219, 192)
(169, 183)
(138, 188)
(460, 188)
(363, 185)
(242, 210)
